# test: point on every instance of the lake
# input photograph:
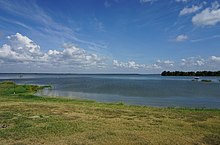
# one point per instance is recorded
(149, 90)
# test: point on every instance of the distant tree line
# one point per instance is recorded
(191, 73)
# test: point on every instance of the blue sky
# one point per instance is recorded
(109, 36)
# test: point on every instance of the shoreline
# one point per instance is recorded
(126, 104)
(69, 98)
(30, 119)
(165, 102)
(42, 87)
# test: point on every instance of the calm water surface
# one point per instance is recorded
(150, 90)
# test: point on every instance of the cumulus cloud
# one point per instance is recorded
(209, 16)
(189, 63)
(133, 65)
(22, 52)
(21, 49)
(75, 55)
(193, 61)
(210, 63)
(181, 38)
(129, 64)
(215, 59)
(166, 63)
(189, 10)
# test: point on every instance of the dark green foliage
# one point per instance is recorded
(198, 73)
(9, 88)
(8, 83)
(208, 81)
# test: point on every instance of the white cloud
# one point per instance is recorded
(190, 63)
(200, 63)
(193, 61)
(22, 52)
(23, 43)
(136, 66)
(215, 58)
(181, 38)
(166, 63)
(209, 16)
(75, 55)
(22, 49)
(129, 64)
(189, 10)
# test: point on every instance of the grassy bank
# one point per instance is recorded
(29, 119)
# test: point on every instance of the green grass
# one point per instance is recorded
(28, 119)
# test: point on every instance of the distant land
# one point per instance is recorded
(190, 73)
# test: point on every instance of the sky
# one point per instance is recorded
(109, 36)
